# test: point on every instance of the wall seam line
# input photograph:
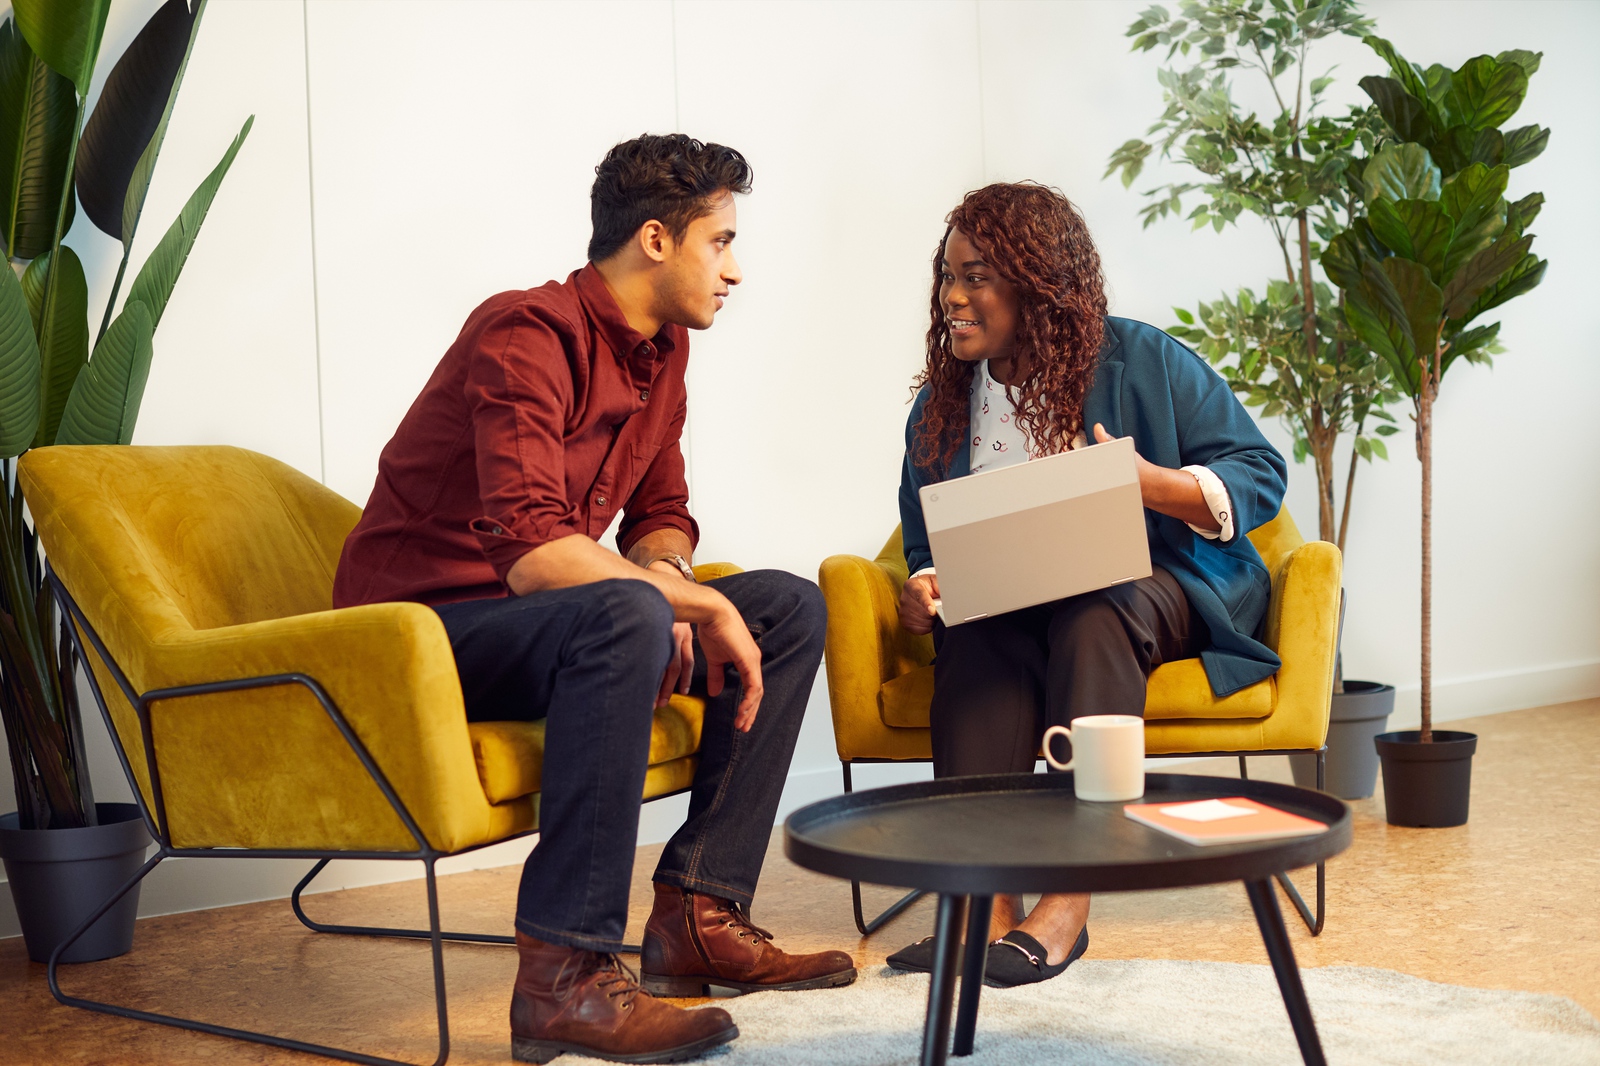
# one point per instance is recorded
(316, 295)
(686, 438)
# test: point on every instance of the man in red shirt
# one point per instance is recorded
(555, 410)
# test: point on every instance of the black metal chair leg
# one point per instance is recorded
(979, 910)
(941, 987)
(1313, 921)
(409, 934)
(246, 1034)
(865, 925)
(1279, 951)
(1244, 771)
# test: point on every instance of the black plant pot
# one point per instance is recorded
(61, 876)
(1358, 715)
(1427, 785)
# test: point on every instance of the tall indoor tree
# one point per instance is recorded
(53, 154)
(1292, 354)
(1439, 245)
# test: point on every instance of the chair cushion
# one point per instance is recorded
(1177, 690)
(510, 755)
(1180, 689)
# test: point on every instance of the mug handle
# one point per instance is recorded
(1051, 759)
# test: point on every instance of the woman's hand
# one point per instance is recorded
(1166, 491)
(917, 610)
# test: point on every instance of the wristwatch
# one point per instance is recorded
(680, 562)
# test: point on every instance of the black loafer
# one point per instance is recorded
(1025, 961)
(918, 957)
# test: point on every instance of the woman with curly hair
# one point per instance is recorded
(1023, 361)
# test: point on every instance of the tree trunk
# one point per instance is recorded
(1322, 444)
(1425, 455)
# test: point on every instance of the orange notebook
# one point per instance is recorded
(1234, 820)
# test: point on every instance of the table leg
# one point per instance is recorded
(1279, 950)
(979, 910)
(941, 988)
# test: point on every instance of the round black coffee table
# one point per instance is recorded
(968, 838)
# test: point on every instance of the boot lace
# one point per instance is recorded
(736, 917)
(615, 978)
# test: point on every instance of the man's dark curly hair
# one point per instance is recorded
(671, 178)
(1039, 242)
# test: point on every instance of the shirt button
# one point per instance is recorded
(498, 531)
(644, 394)
(599, 501)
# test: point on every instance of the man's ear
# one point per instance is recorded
(654, 241)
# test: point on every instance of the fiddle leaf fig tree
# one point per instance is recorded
(52, 389)
(1439, 245)
(1288, 350)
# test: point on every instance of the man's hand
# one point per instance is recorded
(680, 670)
(726, 642)
(917, 610)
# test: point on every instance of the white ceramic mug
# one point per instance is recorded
(1107, 756)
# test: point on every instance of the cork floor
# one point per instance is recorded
(1507, 901)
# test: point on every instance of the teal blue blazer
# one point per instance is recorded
(1179, 412)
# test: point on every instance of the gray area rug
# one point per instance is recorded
(1163, 1013)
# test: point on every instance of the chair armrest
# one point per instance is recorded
(1303, 628)
(711, 571)
(865, 648)
(267, 767)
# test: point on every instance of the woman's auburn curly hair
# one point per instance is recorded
(1039, 242)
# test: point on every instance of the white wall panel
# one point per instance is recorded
(453, 149)
(862, 122)
(235, 351)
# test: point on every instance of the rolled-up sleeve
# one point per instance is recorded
(661, 499)
(519, 391)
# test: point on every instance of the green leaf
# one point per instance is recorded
(104, 404)
(37, 113)
(1525, 144)
(1402, 172)
(153, 287)
(1342, 260)
(1519, 279)
(1404, 71)
(1528, 61)
(19, 369)
(1480, 272)
(131, 113)
(1378, 448)
(1422, 300)
(1186, 317)
(63, 331)
(1488, 148)
(1404, 113)
(1485, 92)
(1520, 215)
(1419, 230)
(64, 33)
(1378, 316)
(1474, 192)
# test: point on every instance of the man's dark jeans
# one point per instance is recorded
(589, 660)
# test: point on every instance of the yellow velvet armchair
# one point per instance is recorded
(247, 712)
(880, 681)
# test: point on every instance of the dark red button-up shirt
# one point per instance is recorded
(547, 416)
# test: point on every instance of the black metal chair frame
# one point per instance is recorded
(156, 822)
(1314, 921)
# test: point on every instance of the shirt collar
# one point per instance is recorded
(608, 319)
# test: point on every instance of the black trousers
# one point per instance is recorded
(589, 660)
(999, 683)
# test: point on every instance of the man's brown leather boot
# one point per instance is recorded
(693, 941)
(587, 1003)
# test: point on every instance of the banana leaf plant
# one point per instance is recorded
(1439, 246)
(55, 388)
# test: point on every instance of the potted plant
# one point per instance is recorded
(64, 854)
(1438, 248)
(1287, 351)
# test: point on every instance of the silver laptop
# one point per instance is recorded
(1037, 531)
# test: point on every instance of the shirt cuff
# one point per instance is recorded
(1216, 495)
(924, 572)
